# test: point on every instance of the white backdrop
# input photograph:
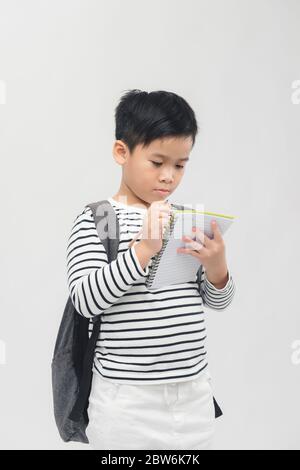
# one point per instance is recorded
(64, 65)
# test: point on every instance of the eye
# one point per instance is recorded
(159, 163)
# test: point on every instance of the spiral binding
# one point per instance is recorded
(156, 260)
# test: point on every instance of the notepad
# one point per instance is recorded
(169, 267)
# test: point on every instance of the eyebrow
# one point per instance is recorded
(166, 156)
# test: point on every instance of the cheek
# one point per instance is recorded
(149, 170)
(179, 175)
(145, 175)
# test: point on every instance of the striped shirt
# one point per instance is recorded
(146, 337)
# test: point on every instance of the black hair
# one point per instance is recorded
(142, 117)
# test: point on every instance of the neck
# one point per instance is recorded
(128, 197)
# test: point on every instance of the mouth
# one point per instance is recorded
(163, 191)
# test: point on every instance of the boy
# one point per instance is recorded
(151, 385)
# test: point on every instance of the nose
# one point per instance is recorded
(167, 176)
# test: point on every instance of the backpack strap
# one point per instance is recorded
(107, 225)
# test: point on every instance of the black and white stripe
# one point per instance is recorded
(146, 337)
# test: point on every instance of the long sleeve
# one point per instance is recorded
(94, 284)
(217, 299)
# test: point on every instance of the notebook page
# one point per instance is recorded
(177, 268)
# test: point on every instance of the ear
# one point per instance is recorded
(120, 152)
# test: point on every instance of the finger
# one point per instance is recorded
(165, 210)
(216, 230)
(164, 214)
(191, 244)
(200, 235)
(161, 205)
(187, 251)
(165, 220)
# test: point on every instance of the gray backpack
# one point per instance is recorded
(73, 356)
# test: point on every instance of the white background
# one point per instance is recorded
(64, 65)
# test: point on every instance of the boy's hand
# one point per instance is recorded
(155, 220)
(211, 254)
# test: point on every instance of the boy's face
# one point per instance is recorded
(143, 171)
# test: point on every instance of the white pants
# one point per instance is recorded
(151, 417)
